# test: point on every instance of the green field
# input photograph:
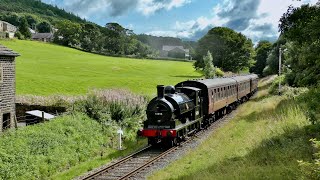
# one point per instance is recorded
(45, 69)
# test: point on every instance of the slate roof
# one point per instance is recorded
(169, 48)
(42, 36)
(4, 51)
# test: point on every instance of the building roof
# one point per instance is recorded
(170, 48)
(4, 51)
(38, 113)
(42, 35)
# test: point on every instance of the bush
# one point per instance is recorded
(219, 72)
(19, 35)
(115, 109)
(311, 103)
(311, 170)
(293, 92)
(37, 152)
(274, 88)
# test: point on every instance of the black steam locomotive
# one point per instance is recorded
(181, 110)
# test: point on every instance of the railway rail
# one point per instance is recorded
(129, 167)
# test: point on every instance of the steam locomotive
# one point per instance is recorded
(189, 106)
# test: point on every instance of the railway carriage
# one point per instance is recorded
(217, 94)
(253, 83)
(191, 105)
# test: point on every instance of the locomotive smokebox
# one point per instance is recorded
(160, 89)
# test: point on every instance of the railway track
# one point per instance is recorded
(131, 166)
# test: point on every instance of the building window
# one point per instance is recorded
(6, 120)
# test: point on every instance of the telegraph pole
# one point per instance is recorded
(280, 51)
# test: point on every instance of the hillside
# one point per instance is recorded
(44, 69)
(36, 7)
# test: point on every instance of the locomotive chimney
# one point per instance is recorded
(160, 89)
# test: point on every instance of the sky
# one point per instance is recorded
(186, 19)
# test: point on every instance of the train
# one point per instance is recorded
(181, 110)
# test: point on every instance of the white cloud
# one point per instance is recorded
(258, 20)
(149, 7)
(88, 8)
(179, 34)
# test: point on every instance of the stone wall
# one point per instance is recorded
(7, 89)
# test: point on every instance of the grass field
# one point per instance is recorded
(265, 140)
(45, 69)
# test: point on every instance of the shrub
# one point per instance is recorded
(293, 92)
(38, 151)
(19, 35)
(219, 72)
(114, 109)
(275, 84)
(311, 103)
(311, 170)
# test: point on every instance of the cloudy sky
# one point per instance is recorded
(187, 19)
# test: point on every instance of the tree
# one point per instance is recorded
(115, 38)
(24, 28)
(262, 50)
(272, 64)
(11, 18)
(300, 26)
(209, 69)
(32, 20)
(68, 33)
(44, 27)
(231, 51)
(91, 38)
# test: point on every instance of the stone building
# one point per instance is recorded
(45, 37)
(7, 29)
(175, 52)
(7, 88)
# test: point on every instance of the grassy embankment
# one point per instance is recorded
(40, 151)
(265, 140)
(45, 69)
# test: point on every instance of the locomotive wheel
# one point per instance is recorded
(152, 141)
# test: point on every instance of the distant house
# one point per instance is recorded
(175, 52)
(7, 30)
(45, 37)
